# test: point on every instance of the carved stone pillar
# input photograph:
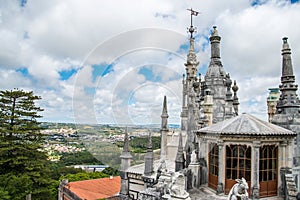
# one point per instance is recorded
(289, 154)
(283, 146)
(221, 177)
(203, 161)
(255, 170)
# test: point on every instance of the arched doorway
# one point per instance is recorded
(268, 170)
(213, 166)
(238, 165)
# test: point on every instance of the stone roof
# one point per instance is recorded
(246, 124)
(139, 169)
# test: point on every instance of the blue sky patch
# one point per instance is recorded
(66, 74)
(102, 70)
(23, 3)
(257, 2)
(185, 46)
(148, 73)
(23, 71)
(90, 90)
(131, 100)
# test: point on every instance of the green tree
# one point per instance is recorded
(84, 176)
(23, 165)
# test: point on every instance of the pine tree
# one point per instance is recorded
(23, 165)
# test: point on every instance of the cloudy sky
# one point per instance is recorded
(96, 61)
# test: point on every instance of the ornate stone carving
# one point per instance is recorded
(239, 190)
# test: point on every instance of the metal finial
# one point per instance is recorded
(195, 13)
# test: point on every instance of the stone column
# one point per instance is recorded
(282, 167)
(255, 170)
(194, 166)
(221, 177)
(203, 161)
(289, 152)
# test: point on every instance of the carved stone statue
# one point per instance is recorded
(239, 190)
(194, 157)
(177, 188)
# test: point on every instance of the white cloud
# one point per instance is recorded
(50, 37)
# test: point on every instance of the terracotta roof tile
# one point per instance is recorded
(96, 188)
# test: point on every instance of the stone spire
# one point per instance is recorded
(179, 161)
(164, 115)
(287, 113)
(236, 103)
(126, 158)
(190, 78)
(215, 45)
(192, 62)
(288, 98)
(287, 68)
(149, 158)
(164, 130)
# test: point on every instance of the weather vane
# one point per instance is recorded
(195, 13)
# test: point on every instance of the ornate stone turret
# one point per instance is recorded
(218, 82)
(164, 130)
(179, 161)
(126, 158)
(288, 106)
(190, 81)
(288, 101)
(149, 158)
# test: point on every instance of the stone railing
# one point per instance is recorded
(291, 189)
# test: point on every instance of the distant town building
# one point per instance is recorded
(272, 99)
(91, 168)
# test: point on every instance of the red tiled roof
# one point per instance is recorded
(96, 188)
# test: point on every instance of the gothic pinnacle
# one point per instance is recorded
(149, 147)
(165, 109)
(126, 141)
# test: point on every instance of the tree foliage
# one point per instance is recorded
(140, 144)
(23, 165)
(19, 114)
(84, 176)
(83, 157)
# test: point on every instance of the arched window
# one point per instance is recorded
(268, 170)
(238, 162)
(268, 163)
(213, 159)
(213, 165)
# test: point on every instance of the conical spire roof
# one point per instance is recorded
(126, 151)
(179, 161)
(165, 108)
(287, 67)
